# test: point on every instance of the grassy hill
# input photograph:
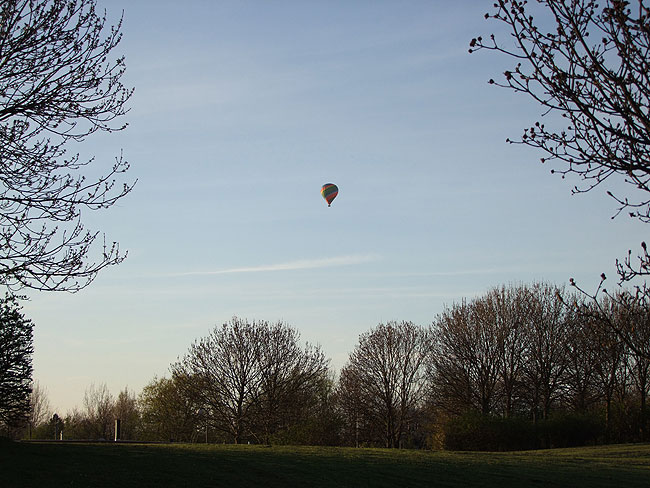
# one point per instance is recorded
(198, 465)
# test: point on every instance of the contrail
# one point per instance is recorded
(290, 266)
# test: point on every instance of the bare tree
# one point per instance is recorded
(610, 363)
(58, 85)
(98, 406)
(222, 372)
(583, 352)
(39, 407)
(252, 379)
(640, 365)
(547, 337)
(629, 315)
(599, 311)
(510, 311)
(386, 372)
(353, 407)
(588, 62)
(290, 375)
(467, 357)
(125, 409)
(449, 368)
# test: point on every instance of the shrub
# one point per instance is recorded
(570, 429)
(475, 432)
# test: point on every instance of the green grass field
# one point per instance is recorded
(198, 465)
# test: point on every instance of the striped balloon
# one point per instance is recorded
(329, 192)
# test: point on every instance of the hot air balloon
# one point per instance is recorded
(329, 192)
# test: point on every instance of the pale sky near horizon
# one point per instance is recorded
(242, 110)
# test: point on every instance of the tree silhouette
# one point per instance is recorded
(383, 382)
(16, 350)
(58, 85)
(587, 62)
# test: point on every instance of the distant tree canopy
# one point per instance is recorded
(252, 379)
(515, 368)
(58, 85)
(167, 413)
(507, 353)
(39, 407)
(524, 352)
(16, 349)
(382, 386)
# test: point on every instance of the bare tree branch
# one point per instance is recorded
(58, 86)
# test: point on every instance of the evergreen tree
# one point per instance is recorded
(16, 348)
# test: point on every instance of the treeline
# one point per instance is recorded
(533, 366)
(528, 366)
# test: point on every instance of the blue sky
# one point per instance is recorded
(242, 111)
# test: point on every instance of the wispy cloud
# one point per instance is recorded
(291, 265)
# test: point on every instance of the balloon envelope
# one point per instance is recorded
(329, 192)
